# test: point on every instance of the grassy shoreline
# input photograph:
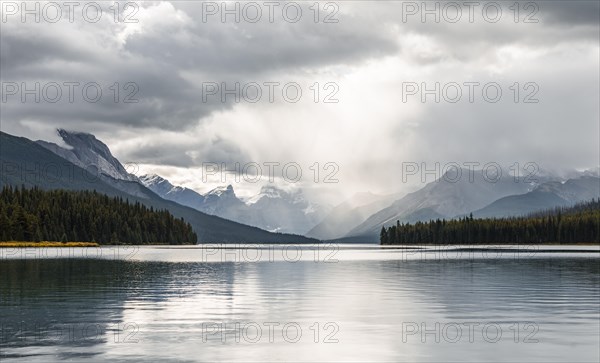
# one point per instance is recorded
(13, 244)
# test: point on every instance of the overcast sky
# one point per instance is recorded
(177, 49)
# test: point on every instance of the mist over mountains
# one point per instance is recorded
(221, 215)
(27, 163)
(509, 196)
(349, 214)
(273, 209)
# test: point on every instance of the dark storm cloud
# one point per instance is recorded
(155, 58)
(145, 99)
(248, 49)
(570, 12)
(553, 23)
(170, 52)
(21, 52)
(186, 153)
(161, 154)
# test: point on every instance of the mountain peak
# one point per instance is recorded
(66, 133)
(154, 179)
(85, 151)
(271, 192)
(80, 140)
(222, 190)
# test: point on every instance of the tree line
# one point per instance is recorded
(576, 224)
(85, 216)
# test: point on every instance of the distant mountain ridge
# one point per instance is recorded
(443, 198)
(508, 196)
(545, 196)
(166, 190)
(276, 210)
(349, 214)
(272, 209)
(19, 155)
(290, 214)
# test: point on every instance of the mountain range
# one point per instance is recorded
(273, 209)
(349, 214)
(545, 196)
(508, 196)
(276, 215)
(28, 163)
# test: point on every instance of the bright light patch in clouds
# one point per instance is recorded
(368, 55)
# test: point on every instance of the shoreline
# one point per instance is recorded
(507, 246)
(494, 244)
(22, 244)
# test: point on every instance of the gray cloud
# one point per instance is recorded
(187, 153)
(155, 57)
(369, 53)
(570, 13)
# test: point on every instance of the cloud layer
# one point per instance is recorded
(166, 59)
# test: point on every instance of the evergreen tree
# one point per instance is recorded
(383, 236)
(579, 223)
(58, 215)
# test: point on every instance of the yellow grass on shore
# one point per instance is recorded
(12, 244)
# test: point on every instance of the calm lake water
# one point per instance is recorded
(314, 303)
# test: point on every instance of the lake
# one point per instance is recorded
(300, 303)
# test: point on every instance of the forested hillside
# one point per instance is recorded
(24, 162)
(86, 216)
(577, 224)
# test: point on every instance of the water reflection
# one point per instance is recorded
(539, 309)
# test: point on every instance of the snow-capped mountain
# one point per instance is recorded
(592, 172)
(166, 190)
(545, 196)
(273, 209)
(65, 175)
(278, 210)
(86, 151)
(443, 198)
(508, 196)
(222, 201)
